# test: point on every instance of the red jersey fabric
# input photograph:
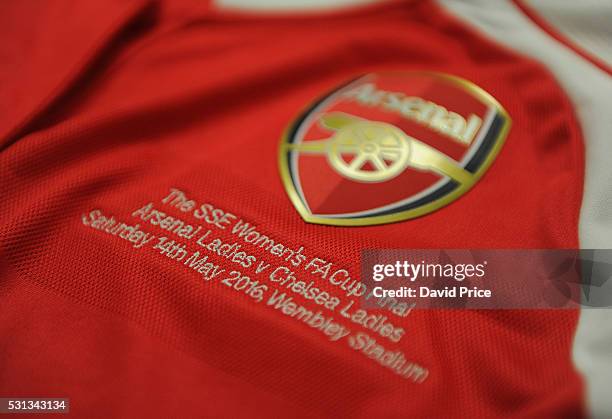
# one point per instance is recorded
(109, 105)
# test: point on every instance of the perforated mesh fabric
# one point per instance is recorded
(180, 96)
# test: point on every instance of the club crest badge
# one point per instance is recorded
(389, 147)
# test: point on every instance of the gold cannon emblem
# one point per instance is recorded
(387, 149)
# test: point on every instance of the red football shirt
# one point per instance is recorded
(105, 107)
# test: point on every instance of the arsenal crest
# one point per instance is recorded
(388, 147)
